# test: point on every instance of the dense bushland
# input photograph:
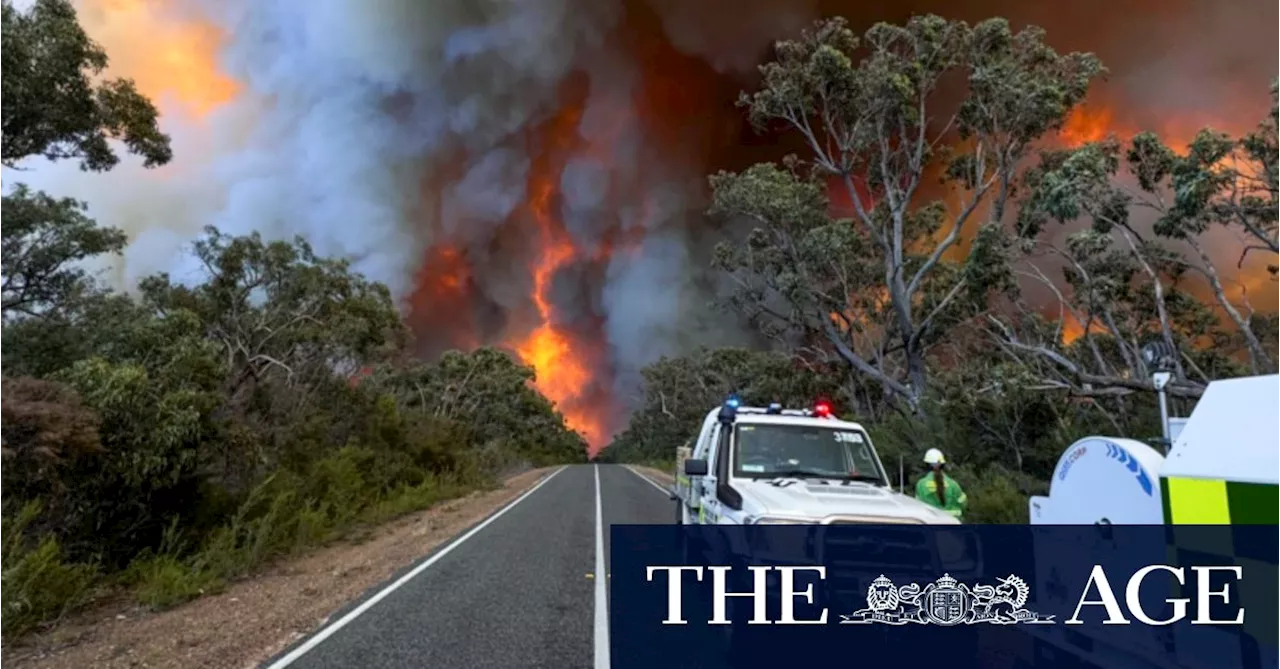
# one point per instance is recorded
(172, 439)
(939, 265)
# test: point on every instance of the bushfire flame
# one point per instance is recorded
(553, 353)
(1087, 124)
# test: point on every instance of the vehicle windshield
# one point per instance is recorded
(768, 451)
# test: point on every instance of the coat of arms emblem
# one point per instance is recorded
(946, 601)
(946, 604)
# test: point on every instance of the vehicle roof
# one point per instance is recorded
(1231, 434)
(775, 419)
(783, 419)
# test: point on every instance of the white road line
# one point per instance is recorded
(650, 481)
(602, 594)
(368, 604)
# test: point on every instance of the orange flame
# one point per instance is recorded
(1086, 124)
(562, 375)
(443, 285)
(1073, 329)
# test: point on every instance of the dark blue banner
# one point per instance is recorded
(945, 597)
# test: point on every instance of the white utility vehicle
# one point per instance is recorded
(1222, 468)
(770, 465)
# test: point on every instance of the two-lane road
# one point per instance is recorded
(526, 587)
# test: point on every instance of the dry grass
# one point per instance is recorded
(258, 617)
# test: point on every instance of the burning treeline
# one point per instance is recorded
(533, 176)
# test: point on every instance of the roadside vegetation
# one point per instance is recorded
(947, 271)
(165, 442)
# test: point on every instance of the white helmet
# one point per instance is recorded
(934, 456)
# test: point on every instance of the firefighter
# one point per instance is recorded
(938, 489)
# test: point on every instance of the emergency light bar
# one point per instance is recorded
(733, 406)
(781, 412)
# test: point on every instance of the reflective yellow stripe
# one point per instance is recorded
(1198, 502)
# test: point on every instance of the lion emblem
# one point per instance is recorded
(882, 595)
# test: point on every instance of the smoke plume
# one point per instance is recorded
(524, 173)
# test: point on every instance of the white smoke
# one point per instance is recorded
(350, 107)
(372, 128)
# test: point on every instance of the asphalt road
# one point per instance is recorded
(523, 588)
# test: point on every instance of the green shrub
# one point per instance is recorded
(996, 495)
(313, 526)
(162, 581)
(408, 499)
(38, 585)
(338, 481)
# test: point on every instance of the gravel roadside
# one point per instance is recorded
(656, 475)
(257, 617)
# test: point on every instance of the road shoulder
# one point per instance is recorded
(256, 618)
(662, 478)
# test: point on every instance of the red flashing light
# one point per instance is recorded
(822, 409)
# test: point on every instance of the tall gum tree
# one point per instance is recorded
(873, 285)
(1128, 283)
(57, 106)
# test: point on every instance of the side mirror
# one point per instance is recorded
(694, 467)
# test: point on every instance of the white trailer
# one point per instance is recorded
(1223, 469)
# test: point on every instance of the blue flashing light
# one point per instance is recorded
(775, 408)
(729, 412)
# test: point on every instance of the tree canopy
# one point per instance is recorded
(54, 104)
(866, 279)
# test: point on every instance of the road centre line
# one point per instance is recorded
(328, 631)
(602, 596)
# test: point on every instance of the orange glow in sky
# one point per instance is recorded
(172, 58)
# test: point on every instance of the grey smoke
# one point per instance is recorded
(378, 125)
(492, 188)
(732, 35)
(379, 128)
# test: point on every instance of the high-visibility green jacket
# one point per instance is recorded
(956, 500)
